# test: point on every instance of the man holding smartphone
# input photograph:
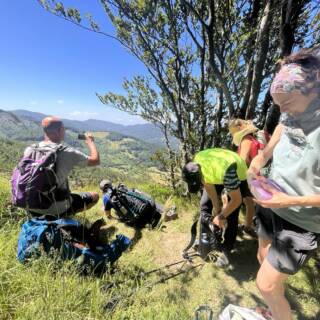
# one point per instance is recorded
(65, 203)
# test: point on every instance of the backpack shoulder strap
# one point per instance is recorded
(255, 147)
(192, 240)
(30, 150)
(60, 147)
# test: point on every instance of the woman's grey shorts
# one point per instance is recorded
(291, 246)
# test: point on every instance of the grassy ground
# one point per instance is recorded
(48, 290)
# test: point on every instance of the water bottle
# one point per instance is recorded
(204, 245)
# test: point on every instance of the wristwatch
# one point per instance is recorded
(221, 216)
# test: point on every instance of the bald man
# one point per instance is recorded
(66, 203)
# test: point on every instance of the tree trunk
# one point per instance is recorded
(216, 136)
(214, 68)
(263, 46)
(272, 119)
(264, 110)
(290, 13)
(171, 159)
(250, 58)
(286, 31)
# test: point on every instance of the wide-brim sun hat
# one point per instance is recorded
(238, 136)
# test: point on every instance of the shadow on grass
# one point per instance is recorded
(245, 267)
(244, 260)
(105, 234)
(135, 239)
(237, 299)
(137, 279)
(295, 295)
(243, 271)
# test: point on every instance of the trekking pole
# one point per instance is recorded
(164, 279)
(170, 265)
(112, 303)
(144, 274)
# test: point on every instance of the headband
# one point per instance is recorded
(293, 78)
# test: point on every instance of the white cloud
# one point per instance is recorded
(60, 101)
(33, 102)
(82, 114)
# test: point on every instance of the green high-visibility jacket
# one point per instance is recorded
(214, 163)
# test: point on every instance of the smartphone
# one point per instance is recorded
(81, 136)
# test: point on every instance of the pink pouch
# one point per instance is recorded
(256, 187)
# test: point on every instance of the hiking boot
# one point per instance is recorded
(222, 260)
(247, 231)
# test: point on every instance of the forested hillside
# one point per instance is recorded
(146, 132)
(119, 153)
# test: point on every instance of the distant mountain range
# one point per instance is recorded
(145, 132)
(117, 150)
(16, 128)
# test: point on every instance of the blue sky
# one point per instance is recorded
(51, 66)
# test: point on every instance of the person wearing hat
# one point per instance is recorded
(249, 140)
(106, 188)
(213, 170)
(66, 203)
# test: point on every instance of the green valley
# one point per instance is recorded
(53, 289)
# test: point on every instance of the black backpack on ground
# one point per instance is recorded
(134, 207)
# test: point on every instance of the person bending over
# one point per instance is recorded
(212, 170)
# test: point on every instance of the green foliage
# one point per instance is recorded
(207, 61)
(52, 289)
(11, 152)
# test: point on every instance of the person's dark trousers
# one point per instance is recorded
(233, 218)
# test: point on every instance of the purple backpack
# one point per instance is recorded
(34, 181)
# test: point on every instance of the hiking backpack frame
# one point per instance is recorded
(135, 208)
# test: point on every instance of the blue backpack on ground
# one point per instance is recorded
(71, 239)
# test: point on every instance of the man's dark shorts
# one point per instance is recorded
(79, 202)
(291, 246)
